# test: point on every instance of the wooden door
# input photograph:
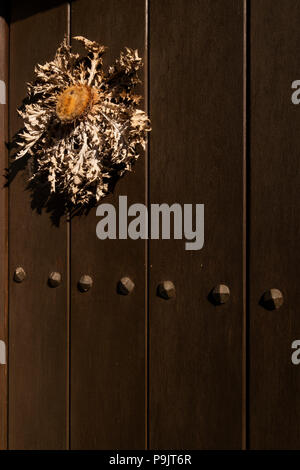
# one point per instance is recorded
(98, 370)
(38, 315)
(107, 329)
(196, 156)
(274, 408)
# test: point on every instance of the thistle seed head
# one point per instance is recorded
(73, 102)
(108, 129)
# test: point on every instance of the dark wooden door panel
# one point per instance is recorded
(37, 313)
(275, 226)
(196, 156)
(83, 381)
(108, 329)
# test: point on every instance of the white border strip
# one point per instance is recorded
(2, 92)
(2, 352)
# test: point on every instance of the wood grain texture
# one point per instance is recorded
(37, 313)
(196, 155)
(4, 34)
(108, 329)
(275, 227)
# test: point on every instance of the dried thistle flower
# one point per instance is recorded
(81, 123)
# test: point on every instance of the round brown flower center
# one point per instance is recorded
(73, 102)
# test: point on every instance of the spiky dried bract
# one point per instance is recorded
(81, 123)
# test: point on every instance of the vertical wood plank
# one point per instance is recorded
(196, 156)
(107, 329)
(4, 34)
(37, 313)
(275, 228)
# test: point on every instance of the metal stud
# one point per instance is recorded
(125, 286)
(272, 299)
(220, 294)
(166, 290)
(54, 279)
(19, 274)
(85, 283)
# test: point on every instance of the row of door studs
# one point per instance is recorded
(271, 299)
